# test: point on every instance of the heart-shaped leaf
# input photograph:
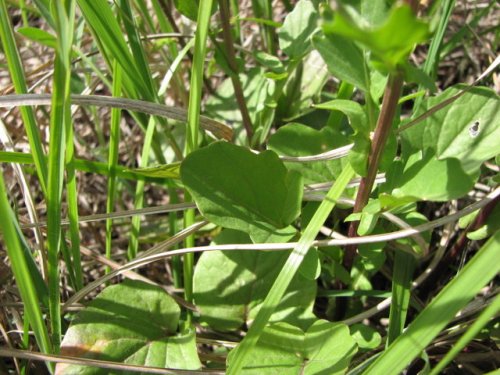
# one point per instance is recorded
(238, 189)
(133, 323)
(325, 348)
(229, 287)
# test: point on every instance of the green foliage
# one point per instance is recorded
(229, 287)
(324, 348)
(390, 42)
(315, 207)
(133, 323)
(294, 36)
(344, 59)
(296, 139)
(237, 189)
(470, 136)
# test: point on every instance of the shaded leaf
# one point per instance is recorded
(238, 189)
(353, 110)
(466, 130)
(134, 323)
(230, 287)
(427, 178)
(296, 139)
(365, 336)
(189, 8)
(325, 348)
(343, 58)
(294, 36)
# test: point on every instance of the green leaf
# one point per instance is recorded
(311, 266)
(365, 336)
(415, 75)
(358, 155)
(189, 8)
(391, 42)
(222, 106)
(478, 272)
(238, 189)
(288, 272)
(296, 139)
(270, 62)
(371, 258)
(229, 287)
(492, 224)
(353, 110)
(466, 130)
(159, 171)
(39, 36)
(325, 348)
(343, 58)
(294, 36)
(427, 178)
(134, 323)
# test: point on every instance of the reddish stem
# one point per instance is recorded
(382, 131)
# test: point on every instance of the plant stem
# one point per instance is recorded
(193, 132)
(382, 131)
(231, 60)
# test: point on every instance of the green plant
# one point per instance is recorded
(310, 159)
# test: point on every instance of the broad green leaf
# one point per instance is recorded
(238, 189)
(358, 155)
(303, 88)
(287, 273)
(413, 74)
(311, 266)
(229, 287)
(270, 62)
(277, 235)
(38, 35)
(365, 336)
(478, 272)
(371, 258)
(343, 58)
(294, 36)
(295, 139)
(325, 348)
(353, 110)
(390, 42)
(466, 130)
(223, 106)
(427, 178)
(134, 323)
(374, 12)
